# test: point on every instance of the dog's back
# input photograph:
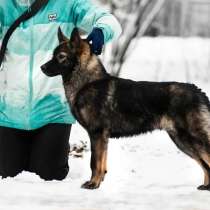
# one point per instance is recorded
(127, 108)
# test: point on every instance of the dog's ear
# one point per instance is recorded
(61, 36)
(75, 39)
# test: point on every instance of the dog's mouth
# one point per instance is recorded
(45, 71)
(49, 74)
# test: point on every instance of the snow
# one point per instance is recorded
(146, 172)
(169, 59)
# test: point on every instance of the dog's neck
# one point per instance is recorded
(88, 71)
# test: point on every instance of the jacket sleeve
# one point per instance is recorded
(86, 16)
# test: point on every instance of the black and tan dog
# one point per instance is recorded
(108, 107)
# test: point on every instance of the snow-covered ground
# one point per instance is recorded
(144, 173)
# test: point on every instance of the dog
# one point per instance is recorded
(111, 107)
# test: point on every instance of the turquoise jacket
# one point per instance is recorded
(28, 98)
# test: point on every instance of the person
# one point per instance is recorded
(35, 119)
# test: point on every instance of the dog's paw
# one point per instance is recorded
(204, 187)
(90, 185)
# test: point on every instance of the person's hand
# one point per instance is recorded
(96, 40)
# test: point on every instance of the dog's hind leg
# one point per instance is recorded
(206, 170)
(185, 142)
(205, 164)
(203, 131)
(99, 144)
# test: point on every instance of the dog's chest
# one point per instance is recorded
(70, 94)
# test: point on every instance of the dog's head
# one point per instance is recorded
(67, 55)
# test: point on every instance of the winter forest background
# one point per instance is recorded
(162, 40)
(175, 22)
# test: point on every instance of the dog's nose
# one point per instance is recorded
(43, 67)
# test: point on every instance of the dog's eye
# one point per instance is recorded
(61, 57)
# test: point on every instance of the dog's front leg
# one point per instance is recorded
(104, 164)
(99, 144)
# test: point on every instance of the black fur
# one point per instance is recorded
(108, 107)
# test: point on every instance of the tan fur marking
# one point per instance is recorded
(166, 124)
(206, 157)
(84, 54)
(89, 62)
(61, 57)
(175, 89)
(206, 175)
(98, 174)
(104, 164)
(92, 63)
(100, 158)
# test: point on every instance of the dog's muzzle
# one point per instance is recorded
(44, 69)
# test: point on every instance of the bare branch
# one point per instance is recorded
(147, 11)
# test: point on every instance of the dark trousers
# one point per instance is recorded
(43, 151)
